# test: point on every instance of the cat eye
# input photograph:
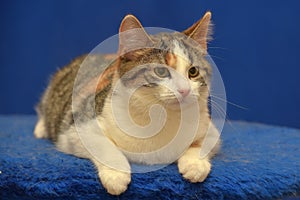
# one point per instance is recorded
(193, 72)
(162, 72)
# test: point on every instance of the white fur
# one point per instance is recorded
(192, 167)
(149, 150)
(182, 60)
(40, 129)
(113, 167)
(138, 150)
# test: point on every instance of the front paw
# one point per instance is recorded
(115, 182)
(195, 170)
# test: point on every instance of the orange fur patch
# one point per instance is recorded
(101, 81)
(171, 60)
(106, 77)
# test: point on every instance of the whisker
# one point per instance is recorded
(216, 105)
(218, 109)
(227, 120)
(217, 57)
(229, 102)
(222, 48)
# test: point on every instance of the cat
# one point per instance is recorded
(180, 64)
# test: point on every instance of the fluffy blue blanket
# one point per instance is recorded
(256, 162)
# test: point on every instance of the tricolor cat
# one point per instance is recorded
(171, 74)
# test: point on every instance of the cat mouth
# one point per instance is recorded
(179, 103)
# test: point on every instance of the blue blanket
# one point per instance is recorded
(256, 162)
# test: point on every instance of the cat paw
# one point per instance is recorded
(115, 182)
(40, 130)
(194, 170)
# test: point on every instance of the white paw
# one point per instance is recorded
(115, 182)
(194, 170)
(40, 130)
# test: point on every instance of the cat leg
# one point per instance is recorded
(192, 167)
(113, 167)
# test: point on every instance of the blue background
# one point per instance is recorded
(256, 47)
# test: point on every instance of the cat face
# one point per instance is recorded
(172, 68)
(170, 76)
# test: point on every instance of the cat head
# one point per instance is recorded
(167, 68)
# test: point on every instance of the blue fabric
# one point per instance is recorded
(256, 162)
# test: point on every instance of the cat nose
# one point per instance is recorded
(184, 92)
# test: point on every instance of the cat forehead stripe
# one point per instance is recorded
(179, 50)
(179, 59)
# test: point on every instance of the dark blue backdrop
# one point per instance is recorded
(256, 47)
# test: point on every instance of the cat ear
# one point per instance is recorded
(201, 30)
(132, 35)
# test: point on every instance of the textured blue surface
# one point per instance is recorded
(256, 162)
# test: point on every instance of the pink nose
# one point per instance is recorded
(184, 92)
